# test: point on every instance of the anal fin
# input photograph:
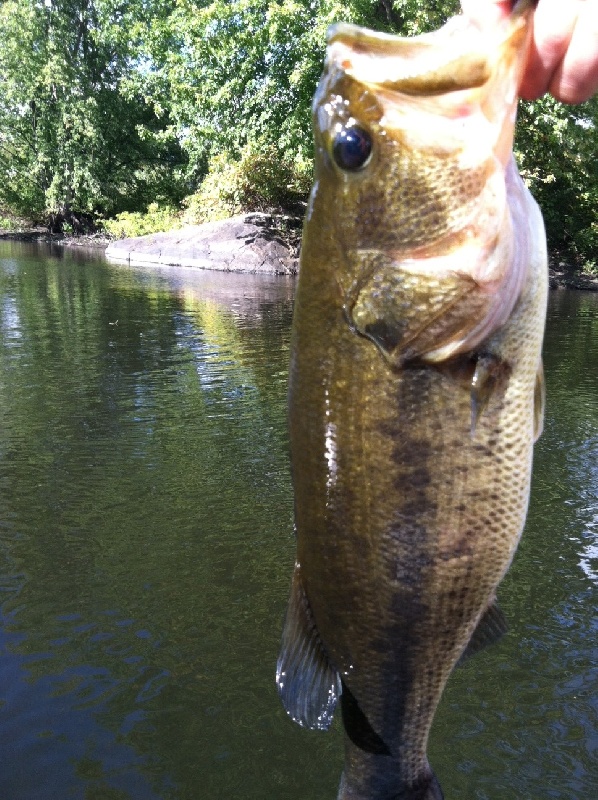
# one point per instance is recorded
(308, 686)
(431, 791)
(434, 792)
(539, 402)
(358, 728)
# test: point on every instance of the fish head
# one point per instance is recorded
(413, 140)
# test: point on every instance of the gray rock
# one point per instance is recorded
(247, 243)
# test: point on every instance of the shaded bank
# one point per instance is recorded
(285, 231)
(564, 277)
(43, 236)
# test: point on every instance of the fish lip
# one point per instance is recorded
(400, 86)
(412, 65)
(460, 57)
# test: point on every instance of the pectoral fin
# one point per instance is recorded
(490, 375)
(308, 686)
(491, 627)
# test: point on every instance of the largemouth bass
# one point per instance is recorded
(416, 389)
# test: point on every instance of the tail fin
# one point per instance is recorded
(426, 789)
(433, 792)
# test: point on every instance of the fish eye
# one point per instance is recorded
(352, 148)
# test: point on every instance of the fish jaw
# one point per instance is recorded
(431, 206)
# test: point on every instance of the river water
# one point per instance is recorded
(146, 547)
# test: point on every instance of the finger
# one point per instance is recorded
(486, 12)
(576, 78)
(554, 22)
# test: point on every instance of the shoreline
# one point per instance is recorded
(40, 235)
(559, 276)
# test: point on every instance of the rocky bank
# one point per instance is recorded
(246, 243)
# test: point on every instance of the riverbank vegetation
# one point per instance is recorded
(140, 115)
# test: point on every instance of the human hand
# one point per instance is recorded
(563, 57)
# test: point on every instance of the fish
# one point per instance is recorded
(416, 389)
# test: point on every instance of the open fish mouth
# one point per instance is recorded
(470, 66)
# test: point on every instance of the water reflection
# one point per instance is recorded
(145, 485)
(573, 335)
(52, 742)
(146, 546)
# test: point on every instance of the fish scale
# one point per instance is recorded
(416, 389)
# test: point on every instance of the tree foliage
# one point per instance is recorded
(556, 146)
(246, 70)
(110, 106)
(75, 139)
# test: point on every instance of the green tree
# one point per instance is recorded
(246, 70)
(76, 138)
(241, 86)
(556, 152)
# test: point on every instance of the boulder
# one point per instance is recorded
(246, 243)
